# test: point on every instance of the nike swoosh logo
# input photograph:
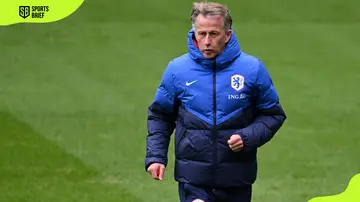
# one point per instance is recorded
(189, 83)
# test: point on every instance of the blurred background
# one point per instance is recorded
(74, 97)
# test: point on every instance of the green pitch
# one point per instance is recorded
(74, 97)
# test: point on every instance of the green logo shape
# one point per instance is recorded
(351, 193)
(36, 11)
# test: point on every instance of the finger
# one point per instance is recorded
(158, 172)
(153, 172)
(161, 172)
(237, 144)
(234, 142)
(233, 147)
(237, 147)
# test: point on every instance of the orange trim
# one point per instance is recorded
(195, 42)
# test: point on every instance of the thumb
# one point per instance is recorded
(232, 140)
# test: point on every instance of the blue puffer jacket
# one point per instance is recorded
(207, 101)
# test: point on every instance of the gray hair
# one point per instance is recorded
(211, 9)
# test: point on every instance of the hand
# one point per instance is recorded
(156, 170)
(235, 143)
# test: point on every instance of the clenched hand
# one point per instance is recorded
(156, 170)
(235, 143)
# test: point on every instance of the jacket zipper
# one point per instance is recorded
(214, 135)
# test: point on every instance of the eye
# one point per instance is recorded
(214, 33)
(202, 33)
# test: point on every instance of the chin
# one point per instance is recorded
(210, 56)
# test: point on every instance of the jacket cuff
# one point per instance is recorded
(151, 160)
(246, 141)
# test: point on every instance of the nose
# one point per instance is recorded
(207, 40)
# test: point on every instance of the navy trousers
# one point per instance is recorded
(190, 193)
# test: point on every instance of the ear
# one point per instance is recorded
(228, 35)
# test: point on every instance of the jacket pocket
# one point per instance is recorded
(189, 145)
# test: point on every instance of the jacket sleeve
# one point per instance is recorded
(270, 115)
(161, 120)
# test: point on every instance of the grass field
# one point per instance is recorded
(74, 97)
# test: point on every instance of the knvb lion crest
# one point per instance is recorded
(237, 82)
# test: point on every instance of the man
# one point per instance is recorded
(223, 105)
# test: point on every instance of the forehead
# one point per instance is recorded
(209, 23)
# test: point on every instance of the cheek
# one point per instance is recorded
(220, 41)
(201, 42)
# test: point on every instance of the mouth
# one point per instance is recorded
(207, 51)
